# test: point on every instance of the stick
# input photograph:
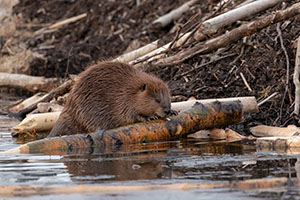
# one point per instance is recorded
(267, 99)
(30, 83)
(173, 15)
(200, 116)
(232, 36)
(296, 79)
(287, 68)
(245, 82)
(67, 21)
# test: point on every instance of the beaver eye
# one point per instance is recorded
(157, 100)
(143, 88)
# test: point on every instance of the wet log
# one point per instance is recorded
(200, 116)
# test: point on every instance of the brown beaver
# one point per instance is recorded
(109, 95)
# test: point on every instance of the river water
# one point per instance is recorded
(155, 164)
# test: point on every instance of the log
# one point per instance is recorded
(231, 36)
(212, 25)
(249, 103)
(62, 89)
(200, 116)
(10, 191)
(30, 83)
(268, 131)
(37, 122)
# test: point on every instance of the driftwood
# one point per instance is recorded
(173, 15)
(30, 83)
(296, 79)
(62, 89)
(249, 105)
(232, 36)
(200, 116)
(253, 184)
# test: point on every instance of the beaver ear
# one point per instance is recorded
(144, 87)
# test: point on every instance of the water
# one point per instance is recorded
(158, 163)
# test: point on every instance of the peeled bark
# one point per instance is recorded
(200, 116)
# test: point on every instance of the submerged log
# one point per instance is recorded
(200, 116)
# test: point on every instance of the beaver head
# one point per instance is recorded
(153, 99)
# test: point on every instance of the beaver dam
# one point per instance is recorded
(245, 144)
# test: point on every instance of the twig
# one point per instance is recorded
(296, 79)
(67, 21)
(267, 99)
(245, 82)
(287, 68)
(68, 62)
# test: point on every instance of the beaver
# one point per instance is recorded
(112, 94)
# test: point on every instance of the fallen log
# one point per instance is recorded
(29, 83)
(200, 116)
